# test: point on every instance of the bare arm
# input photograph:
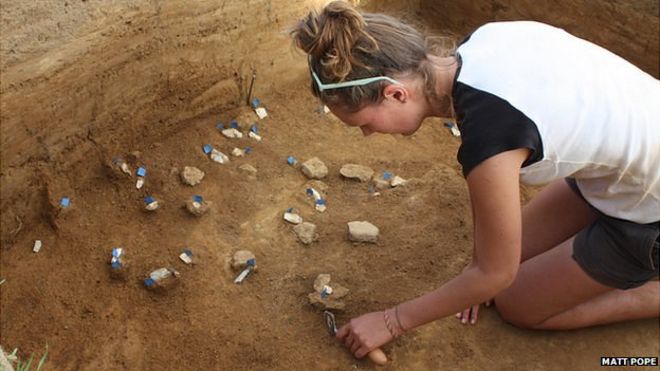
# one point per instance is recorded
(494, 193)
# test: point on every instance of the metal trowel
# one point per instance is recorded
(376, 356)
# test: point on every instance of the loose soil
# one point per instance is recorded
(64, 296)
(79, 82)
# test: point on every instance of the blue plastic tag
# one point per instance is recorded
(233, 124)
(320, 201)
(220, 126)
(254, 129)
(141, 171)
(291, 160)
(387, 175)
(198, 198)
(149, 282)
(207, 148)
(310, 192)
(247, 150)
(255, 103)
(117, 265)
(149, 199)
(251, 262)
(64, 202)
(187, 252)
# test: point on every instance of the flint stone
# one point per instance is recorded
(359, 172)
(328, 303)
(314, 168)
(255, 136)
(219, 157)
(398, 181)
(191, 175)
(338, 291)
(248, 169)
(120, 166)
(197, 208)
(362, 232)
(293, 218)
(381, 183)
(320, 281)
(232, 133)
(240, 259)
(306, 232)
(166, 283)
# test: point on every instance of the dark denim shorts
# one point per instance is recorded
(616, 252)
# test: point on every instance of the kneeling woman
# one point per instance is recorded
(534, 104)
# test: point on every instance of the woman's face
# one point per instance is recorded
(397, 113)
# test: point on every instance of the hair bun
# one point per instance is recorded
(331, 36)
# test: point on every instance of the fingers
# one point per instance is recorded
(350, 340)
(357, 344)
(465, 316)
(361, 352)
(474, 314)
(471, 314)
(343, 331)
(363, 334)
(353, 343)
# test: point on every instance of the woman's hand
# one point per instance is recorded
(364, 334)
(471, 314)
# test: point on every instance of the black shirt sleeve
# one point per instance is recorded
(490, 125)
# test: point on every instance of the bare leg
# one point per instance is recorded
(547, 284)
(614, 306)
(553, 216)
(551, 291)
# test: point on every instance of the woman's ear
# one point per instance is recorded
(396, 92)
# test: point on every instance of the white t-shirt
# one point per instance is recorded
(584, 111)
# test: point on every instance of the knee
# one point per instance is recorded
(515, 314)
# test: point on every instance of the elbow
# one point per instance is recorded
(501, 279)
(506, 278)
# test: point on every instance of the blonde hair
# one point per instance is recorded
(344, 44)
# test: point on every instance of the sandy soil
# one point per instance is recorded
(83, 82)
(65, 297)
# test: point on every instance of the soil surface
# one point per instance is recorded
(84, 82)
(64, 296)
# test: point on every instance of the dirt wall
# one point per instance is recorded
(86, 80)
(628, 28)
(122, 74)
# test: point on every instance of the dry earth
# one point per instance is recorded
(130, 87)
